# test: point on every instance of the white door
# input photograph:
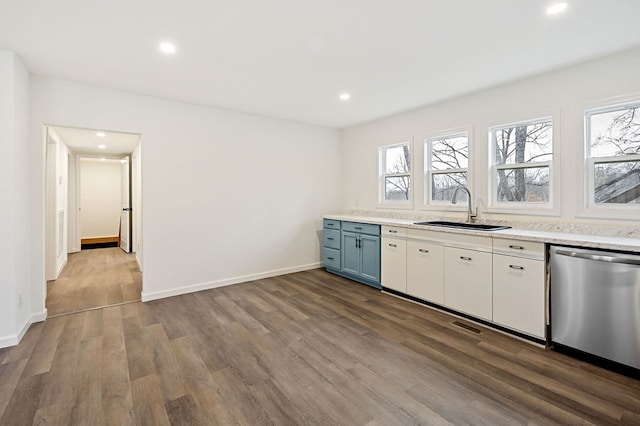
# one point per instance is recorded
(125, 214)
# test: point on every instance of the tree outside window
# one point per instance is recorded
(395, 162)
(523, 155)
(613, 146)
(447, 160)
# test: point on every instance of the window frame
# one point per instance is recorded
(428, 202)
(548, 208)
(382, 175)
(589, 207)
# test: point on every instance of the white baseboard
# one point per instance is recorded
(146, 296)
(14, 339)
(59, 271)
(39, 317)
(7, 341)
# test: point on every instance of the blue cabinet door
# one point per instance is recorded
(370, 257)
(350, 253)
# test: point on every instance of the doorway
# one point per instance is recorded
(93, 244)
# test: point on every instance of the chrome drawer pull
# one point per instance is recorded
(465, 258)
(393, 231)
(516, 247)
(423, 250)
(518, 267)
(393, 245)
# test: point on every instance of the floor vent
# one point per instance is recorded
(466, 327)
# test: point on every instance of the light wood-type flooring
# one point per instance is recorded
(93, 278)
(305, 348)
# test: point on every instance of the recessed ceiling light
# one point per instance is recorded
(102, 146)
(345, 96)
(167, 48)
(556, 8)
(100, 135)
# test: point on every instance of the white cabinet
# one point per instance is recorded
(394, 255)
(425, 271)
(468, 281)
(519, 294)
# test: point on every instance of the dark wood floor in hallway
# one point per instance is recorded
(305, 348)
(93, 278)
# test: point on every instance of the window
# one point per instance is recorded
(447, 162)
(521, 163)
(395, 174)
(613, 155)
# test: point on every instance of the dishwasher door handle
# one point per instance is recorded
(599, 257)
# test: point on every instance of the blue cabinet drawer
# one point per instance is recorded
(331, 238)
(331, 224)
(331, 258)
(361, 228)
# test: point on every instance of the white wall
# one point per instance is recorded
(100, 197)
(226, 196)
(562, 94)
(57, 204)
(136, 188)
(15, 251)
(73, 226)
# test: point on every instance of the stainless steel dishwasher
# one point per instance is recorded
(595, 303)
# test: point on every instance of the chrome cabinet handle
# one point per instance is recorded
(518, 267)
(516, 247)
(465, 258)
(393, 231)
(423, 250)
(393, 245)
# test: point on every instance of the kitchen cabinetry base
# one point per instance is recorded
(466, 316)
(354, 278)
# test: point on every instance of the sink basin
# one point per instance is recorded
(463, 225)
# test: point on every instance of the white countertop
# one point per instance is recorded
(563, 238)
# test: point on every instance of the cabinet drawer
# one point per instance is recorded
(394, 264)
(361, 228)
(518, 294)
(331, 224)
(331, 258)
(394, 231)
(331, 238)
(425, 271)
(529, 249)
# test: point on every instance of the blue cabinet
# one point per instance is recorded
(359, 251)
(331, 245)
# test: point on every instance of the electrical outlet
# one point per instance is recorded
(19, 300)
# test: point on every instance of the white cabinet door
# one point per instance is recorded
(518, 294)
(468, 282)
(425, 271)
(394, 264)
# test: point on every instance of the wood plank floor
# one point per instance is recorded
(305, 348)
(93, 278)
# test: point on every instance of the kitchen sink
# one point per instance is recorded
(463, 225)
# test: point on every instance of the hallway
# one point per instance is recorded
(94, 278)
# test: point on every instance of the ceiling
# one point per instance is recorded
(292, 58)
(87, 141)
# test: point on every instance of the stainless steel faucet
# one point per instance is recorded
(471, 216)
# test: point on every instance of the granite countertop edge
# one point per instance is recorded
(562, 238)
